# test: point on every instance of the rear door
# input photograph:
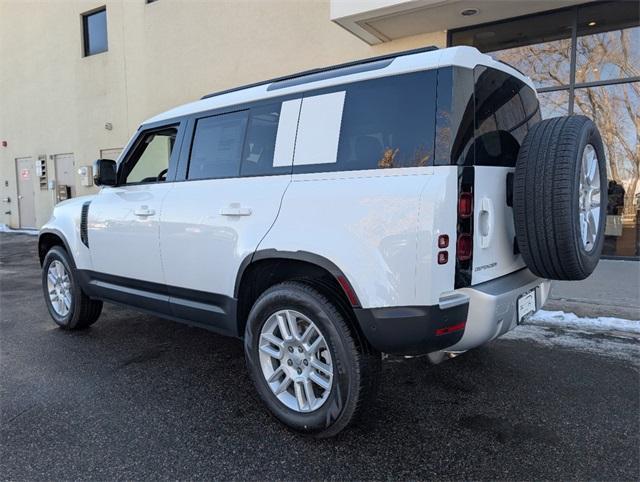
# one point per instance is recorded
(505, 107)
(236, 166)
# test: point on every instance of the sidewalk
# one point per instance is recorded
(612, 290)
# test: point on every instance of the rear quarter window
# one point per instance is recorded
(505, 108)
(384, 123)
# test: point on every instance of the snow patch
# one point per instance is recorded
(604, 336)
(570, 320)
(6, 229)
(621, 347)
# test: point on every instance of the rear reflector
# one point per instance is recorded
(348, 290)
(465, 205)
(443, 257)
(450, 329)
(464, 247)
(443, 241)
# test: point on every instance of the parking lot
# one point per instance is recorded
(137, 397)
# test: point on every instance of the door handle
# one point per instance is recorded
(234, 209)
(144, 211)
(485, 222)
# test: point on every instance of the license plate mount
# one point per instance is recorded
(526, 305)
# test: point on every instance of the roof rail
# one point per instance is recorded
(329, 69)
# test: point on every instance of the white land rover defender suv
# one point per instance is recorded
(409, 204)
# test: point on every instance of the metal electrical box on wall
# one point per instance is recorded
(63, 192)
(86, 176)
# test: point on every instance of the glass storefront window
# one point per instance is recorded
(547, 64)
(608, 41)
(603, 83)
(538, 46)
(554, 103)
(615, 108)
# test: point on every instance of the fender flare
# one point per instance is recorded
(59, 235)
(305, 256)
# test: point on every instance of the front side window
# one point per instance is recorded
(150, 159)
(217, 146)
(94, 31)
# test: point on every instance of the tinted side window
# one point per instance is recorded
(260, 143)
(217, 146)
(388, 122)
(502, 118)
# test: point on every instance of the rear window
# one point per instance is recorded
(217, 146)
(505, 108)
(376, 124)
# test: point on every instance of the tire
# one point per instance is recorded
(355, 365)
(82, 311)
(548, 207)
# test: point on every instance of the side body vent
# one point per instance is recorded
(84, 235)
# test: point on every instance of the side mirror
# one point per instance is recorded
(104, 172)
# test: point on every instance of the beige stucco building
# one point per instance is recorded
(60, 108)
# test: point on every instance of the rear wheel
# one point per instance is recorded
(306, 364)
(69, 307)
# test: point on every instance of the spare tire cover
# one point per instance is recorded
(559, 207)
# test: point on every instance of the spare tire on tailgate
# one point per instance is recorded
(558, 205)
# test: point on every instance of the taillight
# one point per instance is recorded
(464, 239)
(465, 205)
(464, 247)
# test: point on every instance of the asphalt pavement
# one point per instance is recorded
(136, 397)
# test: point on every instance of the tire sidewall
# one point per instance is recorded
(337, 404)
(589, 259)
(58, 254)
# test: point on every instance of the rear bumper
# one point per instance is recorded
(465, 319)
(493, 307)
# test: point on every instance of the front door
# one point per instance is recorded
(239, 166)
(25, 170)
(123, 221)
(65, 174)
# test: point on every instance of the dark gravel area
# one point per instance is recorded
(136, 397)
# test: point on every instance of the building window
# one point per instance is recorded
(584, 60)
(94, 32)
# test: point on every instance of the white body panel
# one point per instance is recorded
(123, 231)
(494, 230)
(210, 226)
(65, 222)
(371, 225)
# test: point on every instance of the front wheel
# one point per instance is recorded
(68, 305)
(310, 370)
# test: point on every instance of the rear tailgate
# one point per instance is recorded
(494, 250)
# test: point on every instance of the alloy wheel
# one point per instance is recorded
(589, 204)
(59, 288)
(295, 360)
